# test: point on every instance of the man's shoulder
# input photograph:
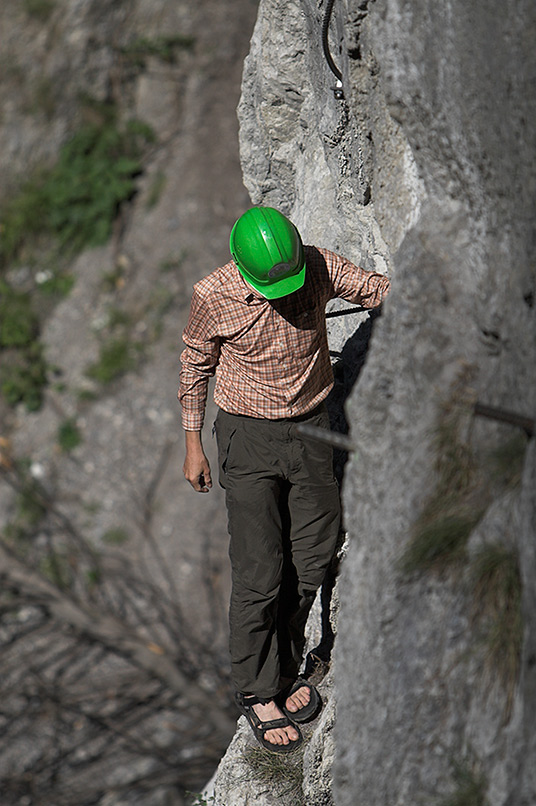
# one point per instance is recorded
(321, 263)
(214, 283)
(320, 256)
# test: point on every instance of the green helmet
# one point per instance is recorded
(268, 251)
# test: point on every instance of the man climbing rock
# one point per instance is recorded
(259, 323)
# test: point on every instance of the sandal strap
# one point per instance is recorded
(248, 700)
(301, 681)
(271, 724)
(282, 722)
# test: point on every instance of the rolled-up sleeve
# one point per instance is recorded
(352, 283)
(198, 363)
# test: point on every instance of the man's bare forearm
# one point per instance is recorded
(193, 441)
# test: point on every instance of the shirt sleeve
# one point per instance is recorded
(352, 283)
(198, 363)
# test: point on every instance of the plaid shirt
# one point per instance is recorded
(271, 358)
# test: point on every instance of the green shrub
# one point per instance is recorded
(23, 370)
(40, 9)
(69, 436)
(73, 205)
(23, 377)
(111, 280)
(93, 578)
(470, 786)
(115, 359)
(59, 284)
(23, 217)
(118, 317)
(95, 173)
(18, 323)
(160, 303)
(77, 200)
(30, 510)
(164, 48)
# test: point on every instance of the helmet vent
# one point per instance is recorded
(279, 268)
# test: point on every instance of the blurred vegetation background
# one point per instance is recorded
(121, 180)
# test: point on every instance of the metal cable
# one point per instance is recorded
(325, 43)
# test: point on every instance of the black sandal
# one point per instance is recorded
(245, 705)
(307, 712)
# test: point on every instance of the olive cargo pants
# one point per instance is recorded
(283, 510)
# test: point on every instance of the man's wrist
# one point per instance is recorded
(193, 440)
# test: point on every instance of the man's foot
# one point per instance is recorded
(298, 699)
(273, 728)
(267, 713)
(303, 702)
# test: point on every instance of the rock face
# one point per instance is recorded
(424, 170)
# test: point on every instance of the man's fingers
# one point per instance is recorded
(199, 484)
(197, 472)
(203, 484)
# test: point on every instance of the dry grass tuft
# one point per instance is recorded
(452, 511)
(497, 605)
(283, 773)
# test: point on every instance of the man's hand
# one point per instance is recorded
(196, 467)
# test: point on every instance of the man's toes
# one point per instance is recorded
(282, 736)
(293, 735)
(304, 695)
(299, 699)
(293, 704)
(275, 737)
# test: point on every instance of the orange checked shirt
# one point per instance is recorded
(270, 357)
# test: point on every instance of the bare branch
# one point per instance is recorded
(112, 633)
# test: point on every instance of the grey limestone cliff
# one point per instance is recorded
(424, 170)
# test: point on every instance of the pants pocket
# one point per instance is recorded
(225, 430)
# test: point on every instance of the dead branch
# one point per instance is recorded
(111, 633)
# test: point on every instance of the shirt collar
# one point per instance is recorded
(249, 294)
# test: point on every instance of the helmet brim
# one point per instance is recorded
(279, 288)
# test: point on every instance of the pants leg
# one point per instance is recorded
(282, 503)
(314, 514)
(252, 483)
